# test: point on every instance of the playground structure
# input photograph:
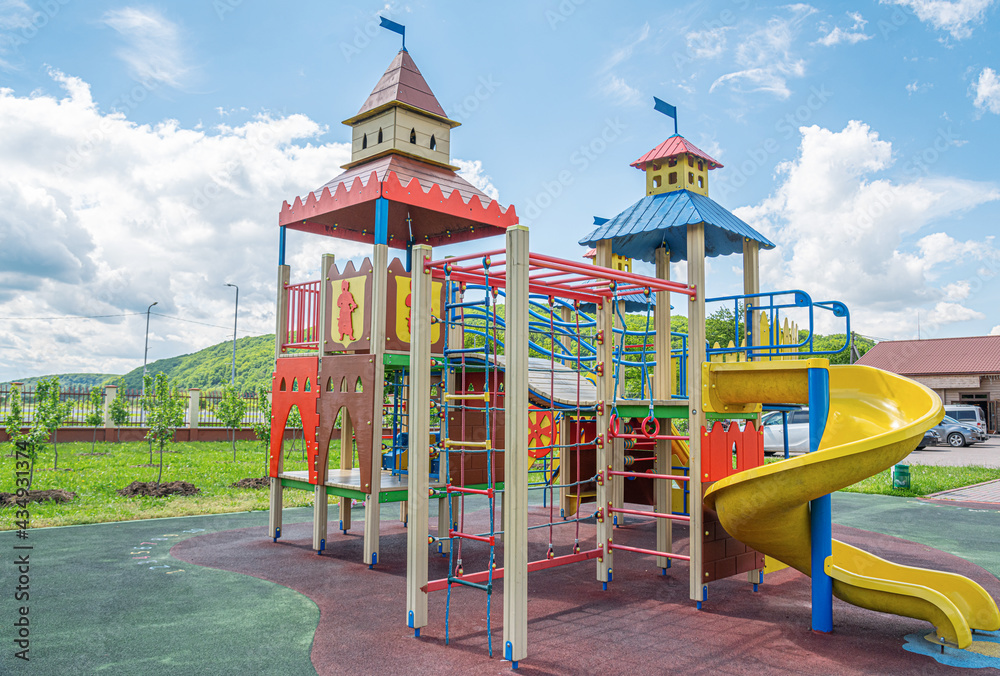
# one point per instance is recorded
(564, 377)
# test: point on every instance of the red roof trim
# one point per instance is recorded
(341, 198)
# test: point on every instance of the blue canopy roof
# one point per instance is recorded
(662, 220)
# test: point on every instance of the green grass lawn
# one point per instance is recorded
(95, 478)
(925, 480)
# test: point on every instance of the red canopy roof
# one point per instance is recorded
(428, 204)
(673, 146)
(402, 82)
(972, 355)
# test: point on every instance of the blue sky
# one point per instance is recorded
(146, 148)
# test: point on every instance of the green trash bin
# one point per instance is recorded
(900, 476)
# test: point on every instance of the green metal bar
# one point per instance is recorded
(488, 588)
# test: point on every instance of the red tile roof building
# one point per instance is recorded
(960, 370)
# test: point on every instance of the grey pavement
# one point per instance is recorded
(985, 453)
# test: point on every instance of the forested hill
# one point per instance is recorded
(211, 368)
(86, 380)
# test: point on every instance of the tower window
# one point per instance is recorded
(413, 136)
(690, 178)
(690, 161)
(701, 166)
(701, 181)
(364, 141)
(656, 167)
(433, 142)
(657, 181)
(671, 161)
(379, 134)
(672, 178)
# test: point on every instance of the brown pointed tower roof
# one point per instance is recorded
(401, 83)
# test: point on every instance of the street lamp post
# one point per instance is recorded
(236, 314)
(145, 355)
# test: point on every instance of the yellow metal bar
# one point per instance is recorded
(448, 443)
(477, 396)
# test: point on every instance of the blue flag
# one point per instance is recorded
(395, 28)
(665, 108)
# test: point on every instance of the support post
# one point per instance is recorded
(281, 311)
(605, 399)
(820, 513)
(662, 490)
(418, 453)
(751, 285)
(380, 289)
(321, 501)
(280, 328)
(516, 461)
(566, 315)
(696, 415)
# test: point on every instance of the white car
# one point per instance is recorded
(798, 432)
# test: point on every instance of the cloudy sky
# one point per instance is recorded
(145, 149)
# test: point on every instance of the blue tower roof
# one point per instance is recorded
(662, 220)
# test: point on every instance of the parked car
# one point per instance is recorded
(969, 415)
(774, 433)
(955, 433)
(931, 438)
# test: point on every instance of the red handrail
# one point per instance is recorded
(302, 326)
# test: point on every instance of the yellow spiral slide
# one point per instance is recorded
(876, 419)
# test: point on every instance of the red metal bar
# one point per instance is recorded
(674, 517)
(488, 492)
(540, 289)
(469, 536)
(666, 555)
(641, 475)
(643, 437)
(466, 257)
(597, 271)
(482, 576)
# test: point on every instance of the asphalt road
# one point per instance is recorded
(985, 453)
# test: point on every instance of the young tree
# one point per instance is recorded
(26, 442)
(51, 411)
(164, 413)
(230, 410)
(96, 415)
(263, 429)
(119, 411)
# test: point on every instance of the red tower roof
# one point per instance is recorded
(673, 146)
(402, 83)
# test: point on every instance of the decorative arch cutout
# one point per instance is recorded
(379, 134)
(359, 386)
(283, 387)
(329, 384)
(364, 141)
(308, 385)
(413, 136)
(343, 384)
(433, 142)
(295, 384)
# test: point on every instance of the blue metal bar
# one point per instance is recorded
(381, 221)
(820, 511)
(281, 246)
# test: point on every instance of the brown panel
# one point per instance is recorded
(725, 568)
(349, 309)
(360, 405)
(715, 550)
(734, 547)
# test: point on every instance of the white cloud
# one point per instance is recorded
(845, 233)
(102, 216)
(616, 88)
(472, 171)
(916, 86)
(707, 44)
(153, 51)
(988, 91)
(765, 57)
(957, 17)
(995, 331)
(852, 35)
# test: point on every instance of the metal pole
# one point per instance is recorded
(145, 354)
(820, 515)
(236, 314)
